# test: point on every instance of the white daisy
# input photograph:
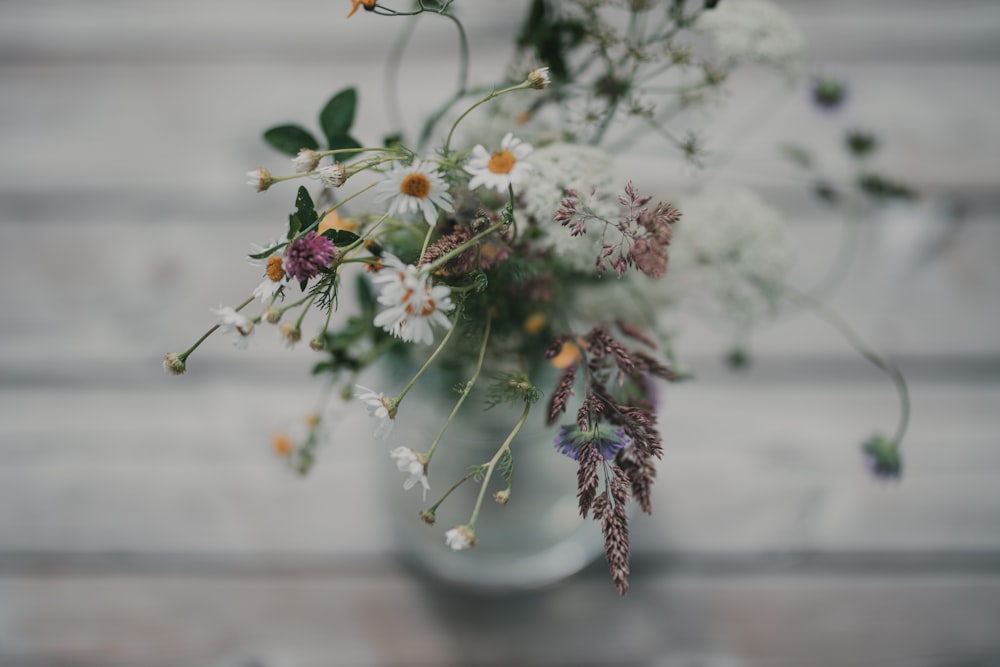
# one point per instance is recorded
(231, 321)
(459, 538)
(500, 169)
(410, 462)
(380, 407)
(413, 304)
(413, 189)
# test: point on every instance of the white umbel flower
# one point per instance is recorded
(460, 538)
(414, 189)
(755, 30)
(380, 407)
(413, 303)
(728, 252)
(231, 321)
(502, 168)
(411, 463)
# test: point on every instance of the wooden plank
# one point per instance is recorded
(171, 471)
(391, 619)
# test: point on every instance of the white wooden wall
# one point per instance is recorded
(143, 521)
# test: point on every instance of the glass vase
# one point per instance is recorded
(537, 539)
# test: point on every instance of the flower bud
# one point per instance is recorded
(291, 333)
(272, 315)
(539, 78)
(260, 178)
(501, 497)
(317, 343)
(174, 364)
(333, 175)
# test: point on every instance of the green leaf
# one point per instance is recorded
(304, 207)
(266, 253)
(294, 225)
(341, 237)
(337, 116)
(344, 141)
(289, 139)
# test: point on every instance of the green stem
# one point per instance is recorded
(465, 392)
(184, 355)
(448, 256)
(524, 85)
(869, 355)
(427, 364)
(505, 447)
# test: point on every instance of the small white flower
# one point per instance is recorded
(540, 78)
(413, 304)
(380, 407)
(332, 175)
(231, 321)
(305, 161)
(500, 169)
(413, 189)
(260, 179)
(266, 290)
(459, 538)
(410, 462)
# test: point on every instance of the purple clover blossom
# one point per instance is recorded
(608, 441)
(308, 255)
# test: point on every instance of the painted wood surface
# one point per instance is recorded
(143, 520)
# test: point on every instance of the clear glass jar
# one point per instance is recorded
(535, 540)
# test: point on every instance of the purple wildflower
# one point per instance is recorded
(308, 255)
(608, 441)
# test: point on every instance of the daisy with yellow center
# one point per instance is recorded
(502, 168)
(413, 303)
(414, 189)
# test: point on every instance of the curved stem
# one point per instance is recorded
(524, 85)
(854, 340)
(185, 354)
(491, 466)
(427, 364)
(465, 392)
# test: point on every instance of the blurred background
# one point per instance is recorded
(144, 520)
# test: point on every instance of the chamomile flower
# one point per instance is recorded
(410, 462)
(413, 303)
(460, 538)
(502, 168)
(413, 189)
(231, 321)
(273, 281)
(380, 407)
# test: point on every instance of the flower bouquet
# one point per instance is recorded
(499, 248)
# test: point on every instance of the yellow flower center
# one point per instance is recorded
(275, 271)
(415, 185)
(501, 162)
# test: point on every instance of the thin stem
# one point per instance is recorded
(393, 66)
(855, 341)
(524, 85)
(468, 476)
(430, 360)
(448, 256)
(505, 447)
(465, 391)
(184, 355)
